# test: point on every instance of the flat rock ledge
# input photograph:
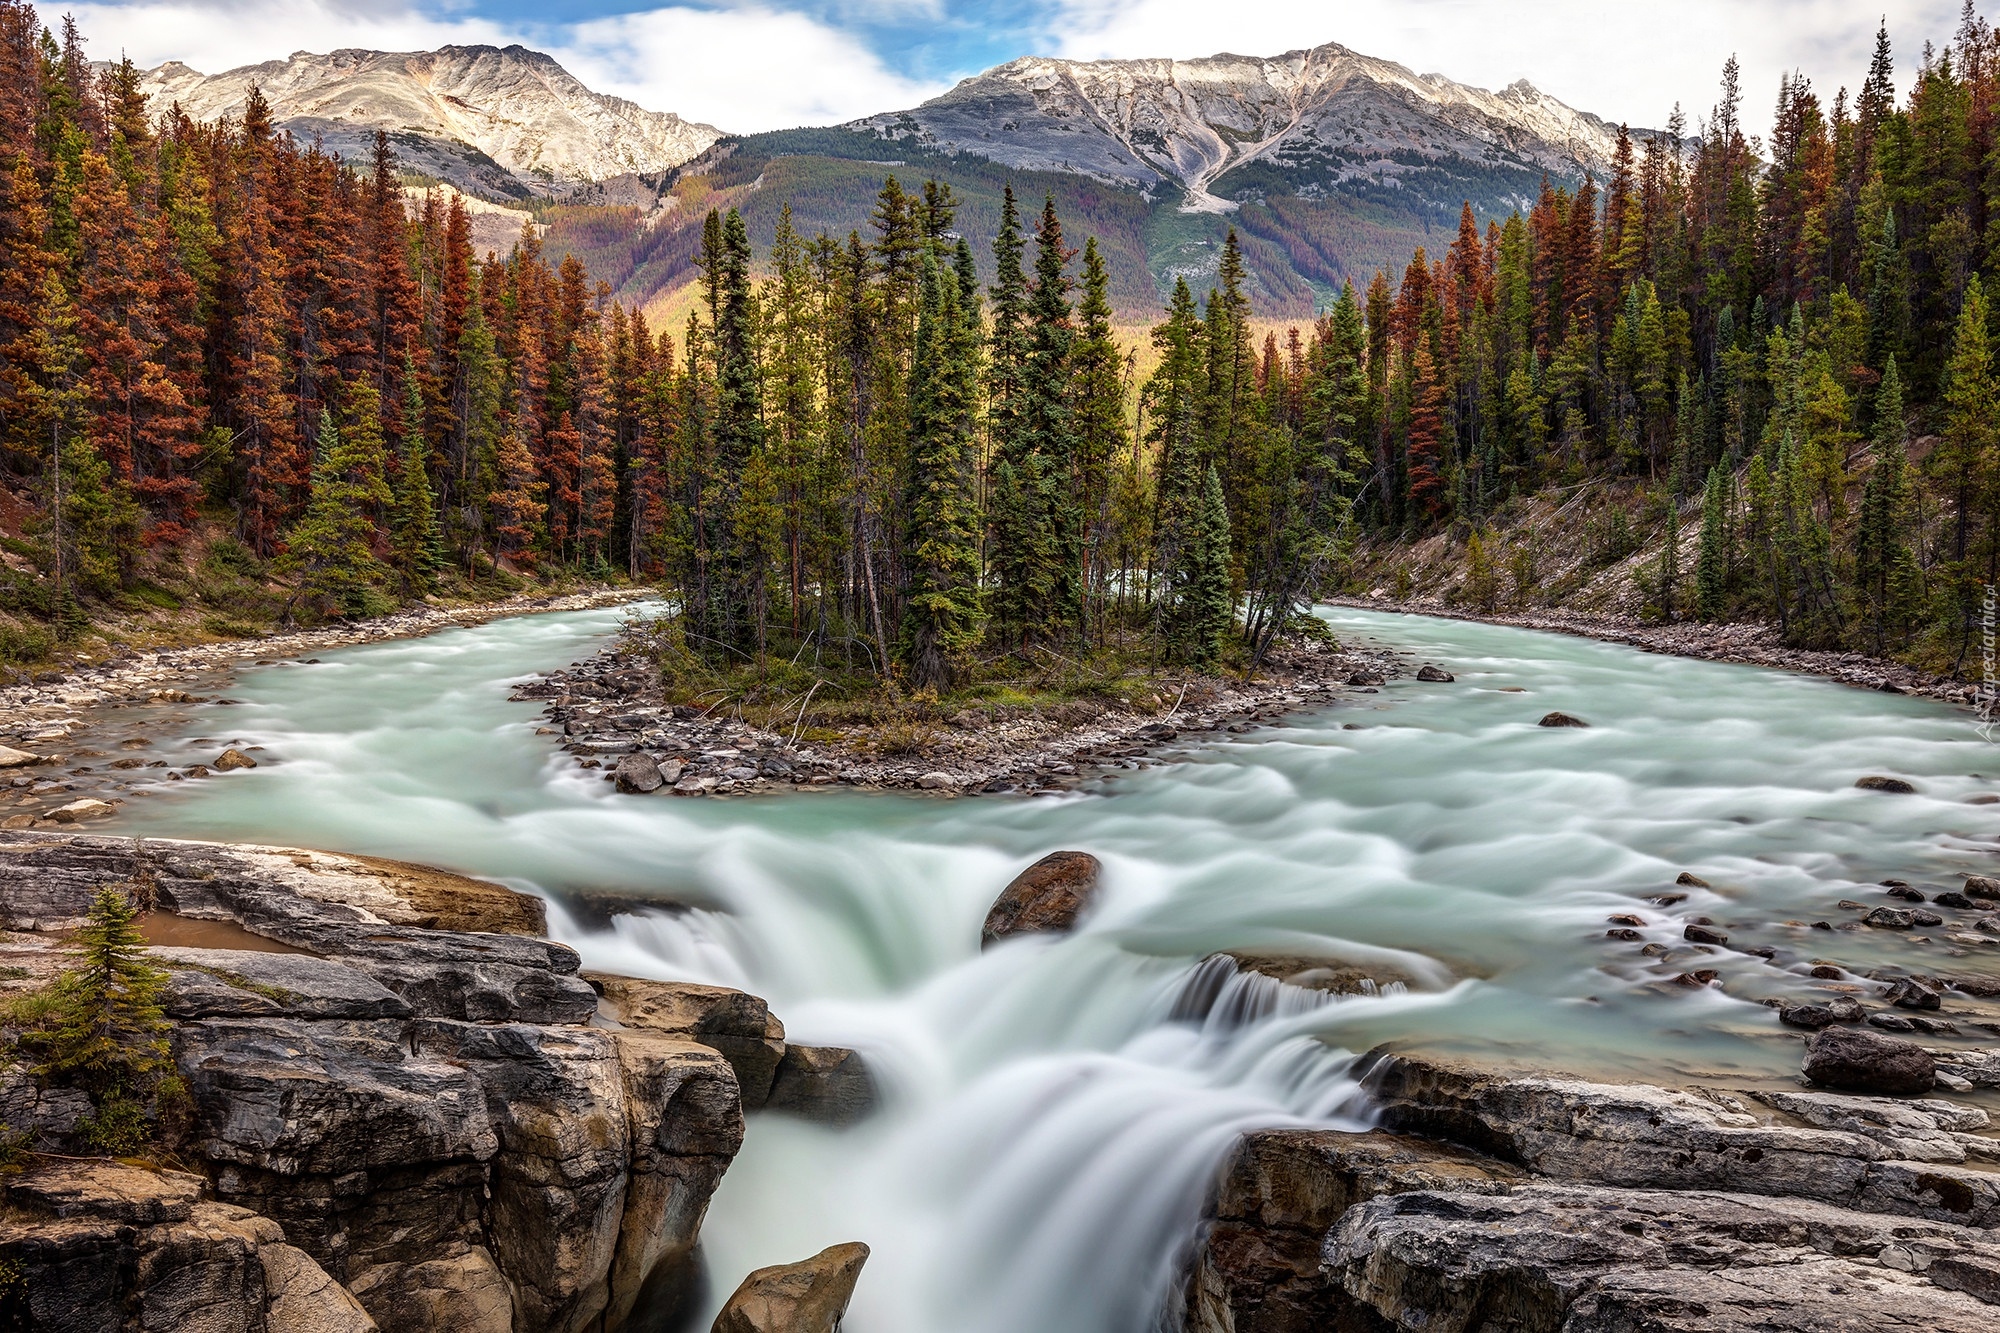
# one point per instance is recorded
(1490, 1201)
(391, 1125)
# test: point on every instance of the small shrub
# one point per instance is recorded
(24, 644)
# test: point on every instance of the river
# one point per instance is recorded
(1051, 1125)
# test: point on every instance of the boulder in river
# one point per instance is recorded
(637, 774)
(1561, 720)
(1982, 886)
(1048, 896)
(1856, 1060)
(1877, 782)
(11, 758)
(829, 1084)
(1435, 674)
(76, 812)
(806, 1297)
(233, 759)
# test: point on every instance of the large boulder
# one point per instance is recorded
(1857, 1060)
(242, 983)
(637, 774)
(806, 1297)
(1048, 896)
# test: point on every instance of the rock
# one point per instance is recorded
(807, 1297)
(1704, 935)
(1691, 880)
(1617, 1261)
(1336, 976)
(637, 774)
(105, 1245)
(11, 758)
(738, 1026)
(937, 781)
(1633, 1136)
(1561, 720)
(555, 1097)
(77, 812)
(1366, 676)
(830, 1084)
(1877, 782)
(684, 1121)
(1428, 672)
(1958, 902)
(1907, 993)
(1854, 1060)
(1890, 918)
(670, 771)
(1048, 896)
(232, 759)
(1982, 886)
(1258, 1266)
(1807, 1016)
(233, 983)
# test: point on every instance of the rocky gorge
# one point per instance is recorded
(405, 1108)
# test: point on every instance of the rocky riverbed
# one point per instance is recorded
(609, 711)
(1748, 643)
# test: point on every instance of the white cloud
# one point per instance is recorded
(1622, 59)
(215, 35)
(742, 69)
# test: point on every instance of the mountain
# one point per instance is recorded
(1329, 164)
(502, 121)
(1231, 127)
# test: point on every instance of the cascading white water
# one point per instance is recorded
(1056, 1109)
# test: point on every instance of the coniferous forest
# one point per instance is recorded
(856, 449)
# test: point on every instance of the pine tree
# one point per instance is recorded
(1097, 388)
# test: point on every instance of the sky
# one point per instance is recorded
(747, 65)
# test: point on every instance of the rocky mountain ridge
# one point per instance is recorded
(1309, 118)
(499, 120)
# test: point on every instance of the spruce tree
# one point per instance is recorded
(1056, 584)
(1204, 610)
(941, 620)
(416, 544)
(1711, 574)
(330, 550)
(1885, 572)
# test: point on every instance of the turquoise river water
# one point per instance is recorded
(1052, 1120)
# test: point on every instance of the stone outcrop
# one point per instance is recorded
(1553, 1205)
(104, 1245)
(830, 1084)
(806, 1297)
(1856, 1060)
(740, 1026)
(431, 1120)
(1049, 896)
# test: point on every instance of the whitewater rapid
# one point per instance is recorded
(1054, 1109)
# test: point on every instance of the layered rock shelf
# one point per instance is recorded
(1539, 1204)
(390, 1123)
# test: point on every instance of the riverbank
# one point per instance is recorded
(1745, 643)
(612, 713)
(53, 723)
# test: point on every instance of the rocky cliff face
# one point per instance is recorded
(491, 118)
(1304, 122)
(1549, 1205)
(426, 1128)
